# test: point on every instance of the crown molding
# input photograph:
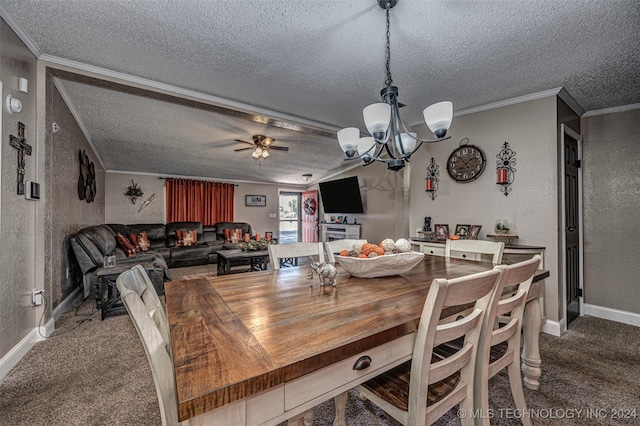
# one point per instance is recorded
(20, 32)
(208, 179)
(508, 102)
(76, 116)
(611, 110)
(143, 83)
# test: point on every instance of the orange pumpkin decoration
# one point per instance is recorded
(363, 256)
(344, 252)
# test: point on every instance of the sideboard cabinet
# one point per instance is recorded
(339, 231)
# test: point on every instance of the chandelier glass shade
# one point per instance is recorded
(390, 141)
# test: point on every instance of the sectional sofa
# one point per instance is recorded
(92, 244)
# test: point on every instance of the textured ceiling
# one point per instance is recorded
(321, 61)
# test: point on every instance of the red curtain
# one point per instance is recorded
(199, 201)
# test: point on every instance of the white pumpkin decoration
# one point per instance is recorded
(403, 245)
(357, 247)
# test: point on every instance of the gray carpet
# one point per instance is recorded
(92, 372)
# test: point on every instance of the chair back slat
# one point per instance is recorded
(452, 330)
(294, 250)
(442, 369)
(503, 333)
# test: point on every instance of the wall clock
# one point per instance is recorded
(466, 162)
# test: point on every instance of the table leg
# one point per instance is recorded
(104, 297)
(340, 402)
(531, 361)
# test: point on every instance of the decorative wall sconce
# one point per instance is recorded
(504, 168)
(432, 179)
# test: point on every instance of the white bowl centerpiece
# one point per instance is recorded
(389, 258)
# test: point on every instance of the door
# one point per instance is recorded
(289, 217)
(572, 257)
(310, 216)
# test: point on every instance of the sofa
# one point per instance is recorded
(92, 244)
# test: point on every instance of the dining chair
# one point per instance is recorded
(474, 250)
(287, 254)
(421, 390)
(335, 246)
(138, 301)
(501, 334)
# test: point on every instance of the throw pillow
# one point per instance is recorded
(125, 245)
(143, 241)
(227, 235)
(133, 238)
(186, 238)
(236, 235)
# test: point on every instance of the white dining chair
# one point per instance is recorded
(500, 341)
(336, 246)
(288, 253)
(475, 250)
(420, 391)
(137, 300)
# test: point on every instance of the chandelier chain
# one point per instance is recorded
(389, 81)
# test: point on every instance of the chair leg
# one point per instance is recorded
(340, 402)
(515, 379)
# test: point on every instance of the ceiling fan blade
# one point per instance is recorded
(268, 141)
(242, 149)
(279, 148)
(238, 140)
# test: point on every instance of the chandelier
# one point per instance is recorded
(389, 135)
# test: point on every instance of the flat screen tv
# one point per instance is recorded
(341, 196)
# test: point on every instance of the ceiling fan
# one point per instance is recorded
(261, 146)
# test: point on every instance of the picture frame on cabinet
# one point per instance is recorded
(442, 232)
(474, 232)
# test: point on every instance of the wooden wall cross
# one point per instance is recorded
(20, 143)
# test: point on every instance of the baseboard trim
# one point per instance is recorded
(554, 328)
(616, 315)
(20, 350)
(65, 304)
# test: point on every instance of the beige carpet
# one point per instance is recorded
(93, 372)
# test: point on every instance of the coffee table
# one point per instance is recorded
(257, 260)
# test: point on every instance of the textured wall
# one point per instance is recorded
(119, 208)
(611, 154)
(65, 212)
(530, 130)
(17, 215)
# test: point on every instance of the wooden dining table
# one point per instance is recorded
(262, 347)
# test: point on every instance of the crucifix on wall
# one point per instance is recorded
(20, 143)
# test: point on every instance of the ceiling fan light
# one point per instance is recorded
(255, 155)
(438, 117)
(258, 151)
(406, 143)
(348, 140)
(377, 118)
(265, 153)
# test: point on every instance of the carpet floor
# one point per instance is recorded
(92, 372)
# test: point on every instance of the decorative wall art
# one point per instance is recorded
(20, 143)
(133, 192)
(505, 168)
(256, 200)
(87, 179)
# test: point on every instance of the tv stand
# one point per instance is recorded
(339, 231)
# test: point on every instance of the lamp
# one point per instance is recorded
(389, 133)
